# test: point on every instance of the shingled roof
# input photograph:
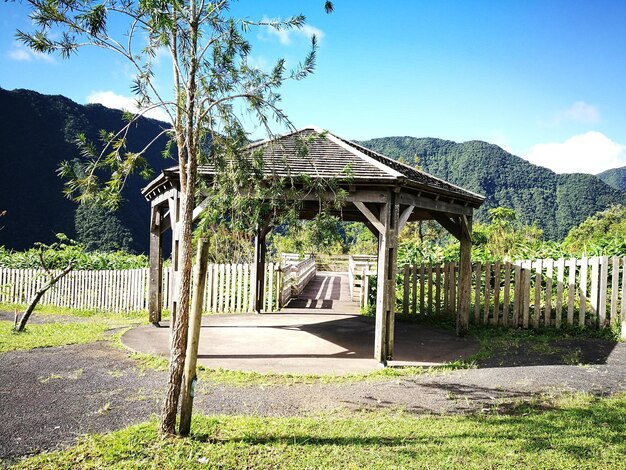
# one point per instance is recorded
(326, 155)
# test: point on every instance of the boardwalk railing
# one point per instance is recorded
(296, 275)
(359, 269)
(228, 287)
(587, 292)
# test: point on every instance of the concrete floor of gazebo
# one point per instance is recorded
(320, 333)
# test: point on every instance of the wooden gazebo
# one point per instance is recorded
(382, 193)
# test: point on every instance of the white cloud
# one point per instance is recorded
(125, 103)
(592, 152)
(22, 53)
(286, 36)
(579, 112)
(260, 63)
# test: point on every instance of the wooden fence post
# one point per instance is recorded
(548, 310)
(604, 272)
(537, 307)
(477, 289)
(583, 292)
(496, 294)
(560, 274)
(623, 310)
(405, 292)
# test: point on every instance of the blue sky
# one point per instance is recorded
(542, 79)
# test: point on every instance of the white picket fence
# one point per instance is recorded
(115, 291)
(586, 292)
(228, 287)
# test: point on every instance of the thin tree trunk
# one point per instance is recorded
(179, 337)
(38, 295)
(197, 303)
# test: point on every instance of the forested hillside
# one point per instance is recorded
(37, 133)
(615, 177)
(556, 203)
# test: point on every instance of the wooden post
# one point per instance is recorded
(487, 305)
(465, 276)
(614, 288)
(260, 250)
(406, 284)
(537, 305)
(193, 335)
(594, 297)
(507, 294)
(478, 276)
(386, 281)
(602, 290)
(548, 310)
(155, 285)
(174, 207)
(496, 293)
(583, 291)
(560, 276)
(623, 309)
(380, 334)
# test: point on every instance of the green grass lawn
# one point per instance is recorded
(577, 432)
(64, 326)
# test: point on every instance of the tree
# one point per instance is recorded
(211, 75)
(99, 229)
(51, 277)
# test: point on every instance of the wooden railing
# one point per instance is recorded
(296, 275)
(587, 292)
(360, 267)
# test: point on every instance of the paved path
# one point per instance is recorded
(321, 332)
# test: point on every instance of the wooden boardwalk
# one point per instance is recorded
(327, 292)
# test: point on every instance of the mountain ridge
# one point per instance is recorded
(38, 134)
(615, 177)
(555, 202)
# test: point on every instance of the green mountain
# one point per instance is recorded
(615, 177)
(37, 133)
(556, 203)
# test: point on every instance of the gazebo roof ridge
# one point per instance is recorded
(329, 157)
(367, 151)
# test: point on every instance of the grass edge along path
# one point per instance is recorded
(576, 431)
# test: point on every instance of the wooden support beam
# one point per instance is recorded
(394, 231)
(449, 224)
(380, 334)
(155, 283)
(386, 281)
(422, 202)
(200, 207)
(404, 217)
(372, 219)
(372, 229)
(360, 195)
(465, 276)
